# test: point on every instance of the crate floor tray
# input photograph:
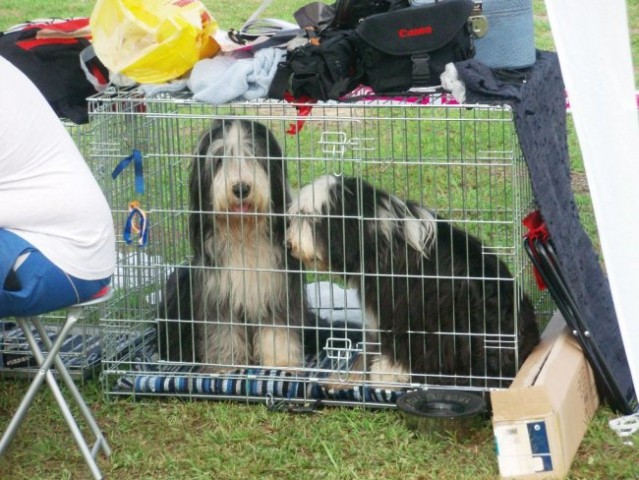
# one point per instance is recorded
(81, 352)
(150, 377)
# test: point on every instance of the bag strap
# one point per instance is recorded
(94, 75)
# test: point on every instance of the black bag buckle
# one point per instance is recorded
(237, 37)
(421, 69)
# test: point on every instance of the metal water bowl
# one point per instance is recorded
(445, 412)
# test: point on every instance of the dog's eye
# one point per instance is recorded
(213, 164)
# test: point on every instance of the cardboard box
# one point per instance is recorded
(540, 420)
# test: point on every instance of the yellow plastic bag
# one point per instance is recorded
(152, 41)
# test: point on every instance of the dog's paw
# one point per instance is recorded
(339, 381)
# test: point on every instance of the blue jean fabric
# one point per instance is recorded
(41, 286)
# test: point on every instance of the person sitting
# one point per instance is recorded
(57, 242)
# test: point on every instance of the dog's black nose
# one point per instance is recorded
(241, 190)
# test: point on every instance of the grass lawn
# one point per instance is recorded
(174, 439)
(164, 438)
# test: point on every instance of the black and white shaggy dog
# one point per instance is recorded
(441, 309)
(241, 300)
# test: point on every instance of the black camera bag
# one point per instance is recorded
(410, 47)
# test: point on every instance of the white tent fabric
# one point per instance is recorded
(593, 45)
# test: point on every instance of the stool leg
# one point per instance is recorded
(35, 384)
(45, 373)
(61, 369)
(88, 455)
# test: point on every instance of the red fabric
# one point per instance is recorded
(70, 25)
(536, 226)
(302, 111)
(102, 292)
(38, 42)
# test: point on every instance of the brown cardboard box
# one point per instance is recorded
(541, 419)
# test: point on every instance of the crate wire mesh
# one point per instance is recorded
(82, 351)
(463, 162)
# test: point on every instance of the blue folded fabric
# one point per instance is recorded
(226, 78)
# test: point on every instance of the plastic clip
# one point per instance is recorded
(137, 223)
(625, 426)
(290, 407)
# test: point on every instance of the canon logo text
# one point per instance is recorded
(415, 32)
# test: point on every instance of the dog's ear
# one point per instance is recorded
(413, 224)
(199, 191)
(268, 148)
(273, 148)
(215, 130)
(420, 228)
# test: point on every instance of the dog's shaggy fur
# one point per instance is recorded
(241, 301)
(441, 308)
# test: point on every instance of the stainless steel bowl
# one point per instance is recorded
(445, 412)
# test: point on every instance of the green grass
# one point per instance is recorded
(175, 439)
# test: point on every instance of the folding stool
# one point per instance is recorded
(74, 313)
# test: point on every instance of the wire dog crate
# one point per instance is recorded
(462, 162)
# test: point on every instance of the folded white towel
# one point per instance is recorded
(333, 302)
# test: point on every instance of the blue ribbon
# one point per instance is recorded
(136, 158)
(142, 227)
